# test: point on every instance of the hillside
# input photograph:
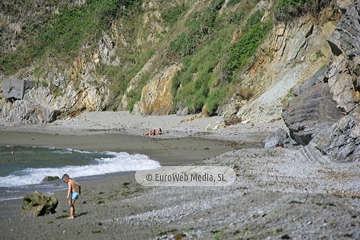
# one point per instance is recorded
(161, 57)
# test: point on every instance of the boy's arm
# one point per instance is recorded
(69, 191)
(79, 187)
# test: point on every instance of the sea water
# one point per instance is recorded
(22, 169)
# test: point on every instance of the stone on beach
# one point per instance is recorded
(38, 204)
(278, 138)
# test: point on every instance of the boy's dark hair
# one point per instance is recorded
(65, 176)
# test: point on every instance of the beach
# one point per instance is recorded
(274, 196)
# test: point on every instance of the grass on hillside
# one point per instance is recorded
(208, 77)
(211, 62)
(63, 35)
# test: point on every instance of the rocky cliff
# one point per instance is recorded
(326, 115)
(135, 60)
(297, 51)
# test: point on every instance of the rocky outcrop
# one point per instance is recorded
(280, 138)
(344, 71)
(62, 93)
(38, 204)
(311, 110)
(291, 60)
(156, 96)
(340, 142)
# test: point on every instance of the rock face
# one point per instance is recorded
(292, 60)
(311, 111)
(62, 97)
(278, 138)
(340, 142)
(156, 97)
(38, 204)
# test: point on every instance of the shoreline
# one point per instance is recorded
(274, 195)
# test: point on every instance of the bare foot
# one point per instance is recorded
(70, 217)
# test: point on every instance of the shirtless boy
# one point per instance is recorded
(74, 190)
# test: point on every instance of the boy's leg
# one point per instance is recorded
(72, 208)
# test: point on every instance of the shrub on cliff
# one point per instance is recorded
(288, 10)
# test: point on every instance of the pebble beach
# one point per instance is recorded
(274, 195)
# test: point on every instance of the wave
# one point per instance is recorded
(119, 162)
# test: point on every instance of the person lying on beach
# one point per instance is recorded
(151, 133)
(74, 190)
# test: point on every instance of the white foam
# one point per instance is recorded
(121, 162)
(70, 151)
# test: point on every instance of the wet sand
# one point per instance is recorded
(166, 151)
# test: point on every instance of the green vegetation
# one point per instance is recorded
(213, 47)
(233, 2)
(135, 94)
(172, 15)
(197, 78)
(290, 9)
(45, 84)
(245, 47)
(217, 233)
(37, 72)
(121, 77)
(292, 3)
(202, 26)
(202, 48)
(318, 54)
(289, 95)
(63, 34)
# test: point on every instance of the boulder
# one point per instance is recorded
(38, 204)
(278, 138)
(340, 143)
(50, 178)
(310, 112)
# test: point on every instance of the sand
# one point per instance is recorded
(274, 195)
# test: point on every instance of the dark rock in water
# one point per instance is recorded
(309, 113)
(50, 178)
(38, 204)
(278, 138)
